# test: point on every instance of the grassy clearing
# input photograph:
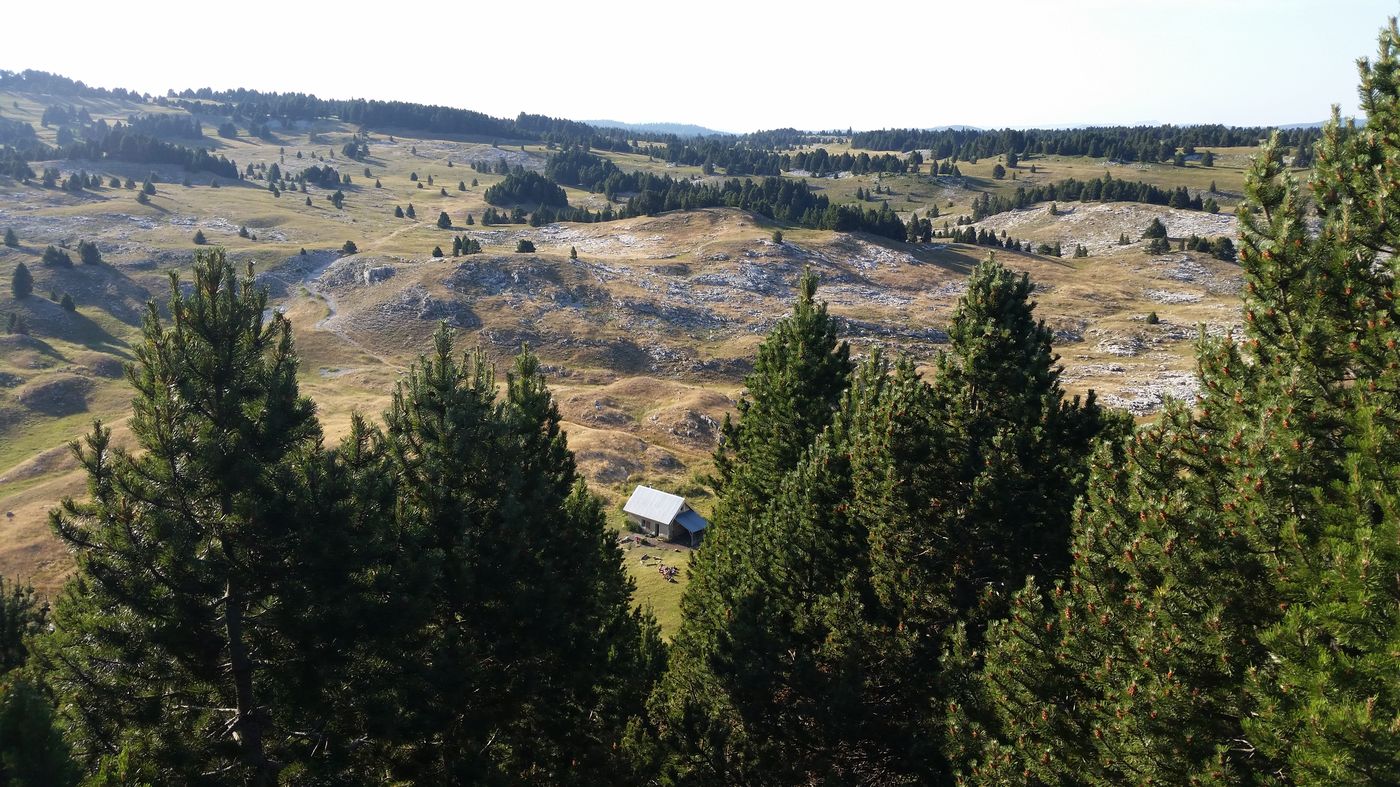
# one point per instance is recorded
(653, 590)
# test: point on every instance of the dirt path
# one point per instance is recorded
(310, 280)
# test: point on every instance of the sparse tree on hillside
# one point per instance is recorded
(11, 239)
(524, 247)
(21, 282)
(411, 213)
(199, 239)
(88, 253)
(573, 253)
(998, 171)
(444, 221)
(437, 251)
(55, 258)
(349, 248)
(398, 212)
(67, 303)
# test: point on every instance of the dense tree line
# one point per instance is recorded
(1105, 189)
(14, 165)
(780, 199)
(1120, 143)
(324, 176)
(166, 125)
(523, 186)
(819, 162)
(60, 115)
(17, 133)
(32, 81)
(120, 144)
(264, 106)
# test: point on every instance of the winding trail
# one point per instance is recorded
(310, 280)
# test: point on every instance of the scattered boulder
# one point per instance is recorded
(378, 273)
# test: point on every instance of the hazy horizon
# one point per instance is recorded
(1002, 64)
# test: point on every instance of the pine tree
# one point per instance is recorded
(11, 239)
(32, 752)
(1232, 611)
(199, 239)
(55, 258)
(444, 221)
(526, 662)
(89, 253)
(704, 705)
(197, 633)
(67, 303)
(21, 282)
(1019, 449)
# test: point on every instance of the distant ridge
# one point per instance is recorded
(679, 129)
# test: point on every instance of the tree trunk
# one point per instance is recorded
(249, 726)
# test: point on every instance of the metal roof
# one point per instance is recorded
(691, 521)
(653, 504)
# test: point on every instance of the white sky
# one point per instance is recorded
(739, 66)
